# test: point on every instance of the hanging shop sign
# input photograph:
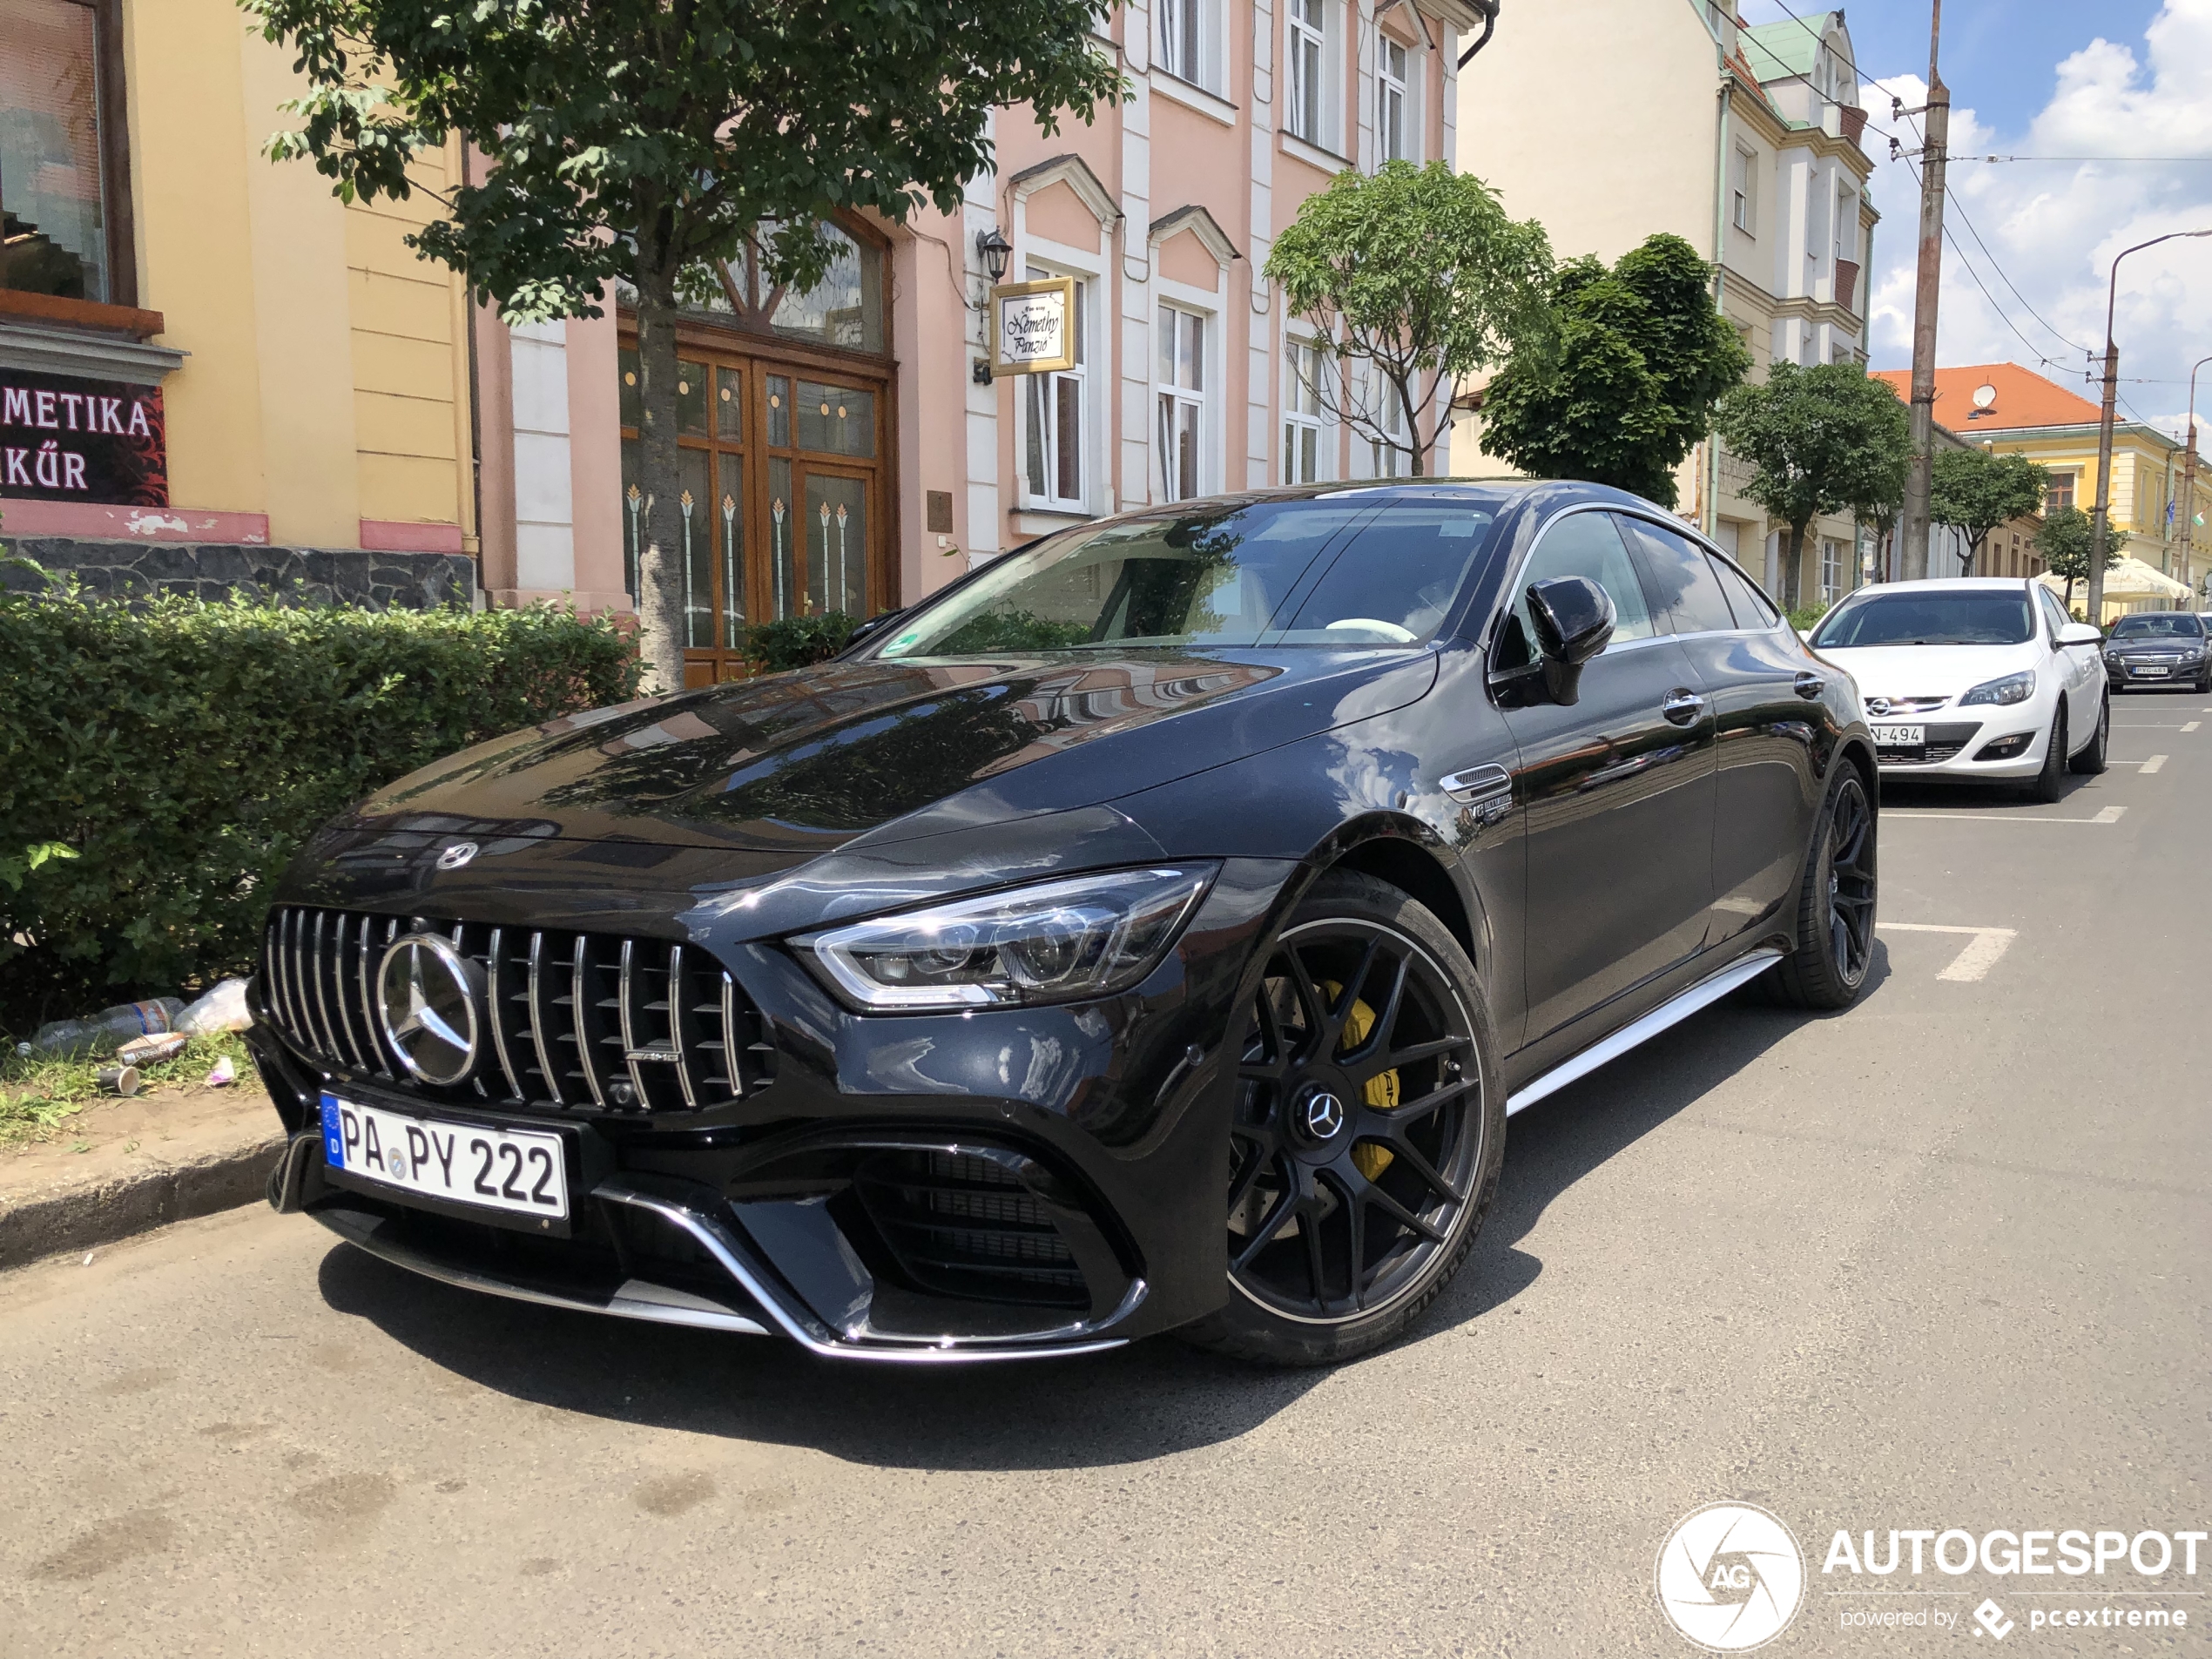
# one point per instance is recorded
(1032, 327)
(64, 438)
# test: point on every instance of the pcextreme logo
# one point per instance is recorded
(1730, 1577)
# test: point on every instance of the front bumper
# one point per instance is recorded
(2125, 675)
(989, 1186)
(1989, 748)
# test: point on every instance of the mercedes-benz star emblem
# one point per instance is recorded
(456, 855)
(428, 994)
(1323, 1116)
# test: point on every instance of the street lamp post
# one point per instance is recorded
(2101, 518)
(2188, 476)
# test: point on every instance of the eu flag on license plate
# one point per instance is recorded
(333, 1139)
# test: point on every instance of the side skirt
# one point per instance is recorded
(1708, 990)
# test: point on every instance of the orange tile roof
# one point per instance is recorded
(2024, 398)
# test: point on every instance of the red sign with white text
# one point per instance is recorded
(64, 438)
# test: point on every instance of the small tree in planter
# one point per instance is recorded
(1820, 440)
(1641, 361)
(1413, 277)
(630, 140)
(2065, 542)
(1975, 491)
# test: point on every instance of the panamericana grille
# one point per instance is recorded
(584, 1022)
(964, 1226)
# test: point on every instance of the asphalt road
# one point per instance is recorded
(1936, 1263)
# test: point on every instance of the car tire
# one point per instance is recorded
(2050, 782)
(1836, 903)
(2091, 761)
(1310, 1281)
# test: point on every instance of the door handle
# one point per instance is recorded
(1682, 705)
(1811, 686)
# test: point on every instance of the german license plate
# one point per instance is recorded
(1900, 736)
(514, 1169)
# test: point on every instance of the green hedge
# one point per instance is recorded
(182, 750)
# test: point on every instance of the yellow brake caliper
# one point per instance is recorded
(1381, 1089)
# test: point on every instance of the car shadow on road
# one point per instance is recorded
(1128, 1406)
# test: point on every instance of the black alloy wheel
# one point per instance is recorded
(1836, 903)
(2092, 759)
(1367, 1131)
(2050, 782)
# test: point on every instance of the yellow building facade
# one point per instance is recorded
(312, 376)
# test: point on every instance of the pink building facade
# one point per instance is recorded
(843, 449)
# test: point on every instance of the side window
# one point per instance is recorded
(1577, 544)
(1752, 608)
(1681, 580)
(2053, 612)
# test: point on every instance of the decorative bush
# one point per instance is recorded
(795, 642)
(182, 750)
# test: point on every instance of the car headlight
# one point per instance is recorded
(1049, 942)
(2013, 688)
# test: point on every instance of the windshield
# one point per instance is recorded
(2158, 628)
(1929, 618)
(1343, 573)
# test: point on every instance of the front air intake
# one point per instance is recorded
(965, 1226)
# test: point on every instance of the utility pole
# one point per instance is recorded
(2101, 518)
(1912, 526)
(2188, 479)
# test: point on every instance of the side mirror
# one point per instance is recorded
(2080, 633)
(1573, 620)
(870, 628)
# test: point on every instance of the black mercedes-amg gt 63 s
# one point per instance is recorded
(1152, 931)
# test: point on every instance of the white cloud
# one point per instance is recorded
(2053, 227)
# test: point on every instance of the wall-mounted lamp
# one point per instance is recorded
(995, 250)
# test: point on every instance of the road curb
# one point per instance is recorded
(100, 1212)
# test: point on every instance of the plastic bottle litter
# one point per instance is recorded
(222, 1009)
(223, 1075)
(103, 1033)
(118, 1080)
(147, 1051)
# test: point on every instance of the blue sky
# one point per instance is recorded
(2122, 78)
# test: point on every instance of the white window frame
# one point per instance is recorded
(1400, 90)
(1202, 23)
(1845, 237)
(1173, 404)
(1832, 568)
(1745, 188)
(1381, 406)
(1298, 420)
(1040, 397)
(1813, 202)
(1308, 43)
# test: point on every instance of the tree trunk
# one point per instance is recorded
(1419, 458)
(1793, 560)
(660, 576)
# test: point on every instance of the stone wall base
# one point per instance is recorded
(291, 575)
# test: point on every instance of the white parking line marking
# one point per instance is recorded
(1979, 957)
(2109, 815)
(2192, 725)
(2151, 765)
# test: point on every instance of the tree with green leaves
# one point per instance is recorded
(1820, 440)
(631, 140)
(1642, 359)
(2065, 540)
(1413, 277)
(1974, 490)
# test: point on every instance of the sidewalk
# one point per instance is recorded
(161, 1157)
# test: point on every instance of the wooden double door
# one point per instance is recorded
(785, 493)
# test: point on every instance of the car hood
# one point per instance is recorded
(2156, 646)
(793, 765)
(1920, 672)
